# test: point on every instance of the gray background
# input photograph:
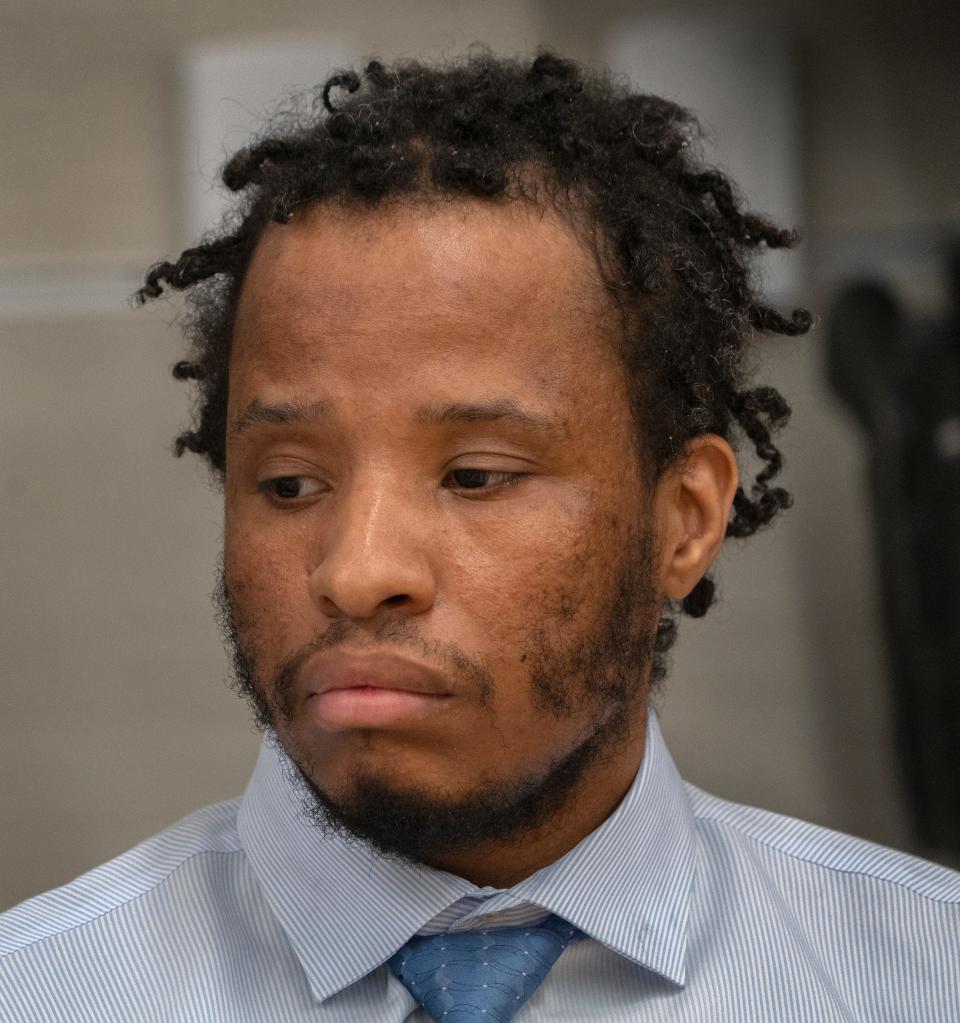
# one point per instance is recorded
(115, 718)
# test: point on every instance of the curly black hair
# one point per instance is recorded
(674, 242)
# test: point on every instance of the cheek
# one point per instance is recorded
(268, 594)
(567, 593)
(542, 583)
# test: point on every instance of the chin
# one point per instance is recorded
(340, 766)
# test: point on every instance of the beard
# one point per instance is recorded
(606, 668)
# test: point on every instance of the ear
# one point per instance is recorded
(693, 504)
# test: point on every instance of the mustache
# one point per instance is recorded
(398, 631)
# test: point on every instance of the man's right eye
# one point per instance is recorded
(287, 488)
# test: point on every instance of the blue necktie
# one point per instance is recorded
(481, 975)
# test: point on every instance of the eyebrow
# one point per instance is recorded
(501, 410)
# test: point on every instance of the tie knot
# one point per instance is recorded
(481, 975)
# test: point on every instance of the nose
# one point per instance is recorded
(373, 555)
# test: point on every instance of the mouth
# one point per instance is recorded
(373, 707)
(346, 689)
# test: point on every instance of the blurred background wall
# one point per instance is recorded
(115, 718)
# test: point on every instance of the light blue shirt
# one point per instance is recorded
(695, 909)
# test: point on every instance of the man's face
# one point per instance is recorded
(430, 458)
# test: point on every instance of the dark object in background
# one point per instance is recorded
(901, 378)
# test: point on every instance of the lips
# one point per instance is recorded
(338, 670)
(345, 691)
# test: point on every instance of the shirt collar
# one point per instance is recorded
(346, 910)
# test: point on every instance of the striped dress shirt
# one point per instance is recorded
(695, 909)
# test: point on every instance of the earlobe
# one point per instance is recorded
(696, 500)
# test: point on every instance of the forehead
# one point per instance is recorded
(463, 290)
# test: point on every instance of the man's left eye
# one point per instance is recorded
(474, 479)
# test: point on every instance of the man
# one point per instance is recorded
(470, 361)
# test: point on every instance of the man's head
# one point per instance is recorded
(469, 364)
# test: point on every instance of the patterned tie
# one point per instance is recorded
(481, 975)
